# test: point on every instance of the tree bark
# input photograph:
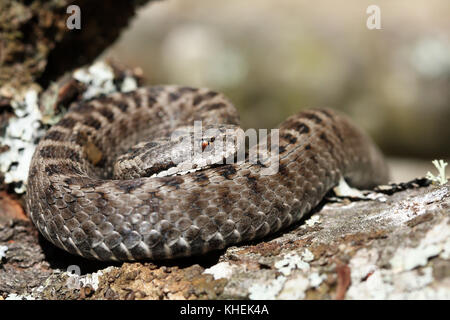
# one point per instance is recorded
(36, 46)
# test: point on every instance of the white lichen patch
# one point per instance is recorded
(405, 210)
(220, 270)
(98, 78)
(307, 255)
(266, 291)
(315, 279)
(296, 277)
(384, 284)
(363, 264)
(403, 280)
(374, 287)
(412, 280)
(13, 296)
(3, 250)
(435, 242)
(90, 279)
(290, 262)
(282, 287)
(294, 288)
(20, 134)
(315, 219)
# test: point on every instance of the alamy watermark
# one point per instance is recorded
(74, 20)
(374, 19)
(227, 145)
(76, 281)
(372, 22)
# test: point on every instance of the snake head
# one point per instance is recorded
(188, 149)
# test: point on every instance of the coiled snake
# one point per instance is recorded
(77, 202)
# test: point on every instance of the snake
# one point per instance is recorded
(88, 193)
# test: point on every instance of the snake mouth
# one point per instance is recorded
(158, 168)
(185, 167)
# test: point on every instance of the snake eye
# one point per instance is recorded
(204, 145)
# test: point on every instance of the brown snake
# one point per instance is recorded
(78, 205)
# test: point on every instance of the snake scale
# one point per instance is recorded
(77, 204)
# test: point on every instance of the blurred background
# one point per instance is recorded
(275, 58)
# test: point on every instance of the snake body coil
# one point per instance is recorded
(76, 203)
